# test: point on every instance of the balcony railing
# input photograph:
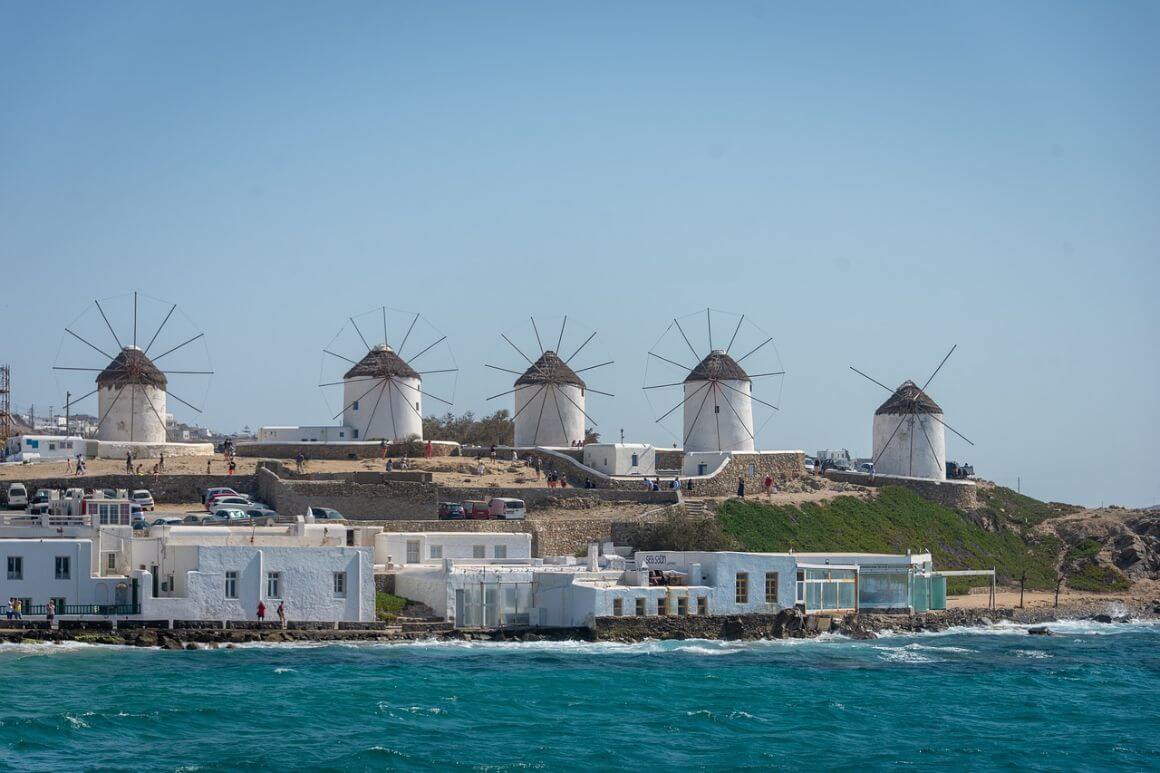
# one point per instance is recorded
(99, 610)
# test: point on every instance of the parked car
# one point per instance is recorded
(451, 511)
(326, 514)
(229, 501)
(507, 509)
(17, 498)
(142, 497)
(866, 467)
(139, 524)
(167, 520)
(105, 493)
(262, 515)
(210, 493)
(226, 515)
(477, 510)
(194, 519)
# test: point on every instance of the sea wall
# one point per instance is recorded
(956, 494)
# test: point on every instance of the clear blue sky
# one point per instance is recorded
(870, 183)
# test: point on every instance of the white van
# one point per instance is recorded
(17, 496)
(505, 509)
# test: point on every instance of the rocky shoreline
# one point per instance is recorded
(787, 624)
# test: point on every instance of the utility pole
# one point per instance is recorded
(67, 412)
(1022, 585)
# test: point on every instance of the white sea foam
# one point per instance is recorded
(285, 670)
(1034, 654)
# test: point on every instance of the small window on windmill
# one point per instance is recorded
(416, 405)
(752, 470)
(354, 405)
(716, 409)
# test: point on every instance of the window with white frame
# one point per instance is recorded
(436, 551)
(500, 551)
(340, 584)
(63, 567)
(231, 585)
(412, 551)
(110, 562)
(479, 551)
(274, 585)
(15, 567)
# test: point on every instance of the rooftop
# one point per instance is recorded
(908, 398)
(717, 366)
(382, 362)
(132, 366)
(550, 369)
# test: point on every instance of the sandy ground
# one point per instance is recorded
(1009, 598)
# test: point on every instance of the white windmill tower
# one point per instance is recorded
(909, 437)
(717, 392)
(132, 389)
(550, 395)
(383, 390)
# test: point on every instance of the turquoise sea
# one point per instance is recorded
(972, 699)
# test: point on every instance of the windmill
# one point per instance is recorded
(132, 389)
(383, 384)
(909, 437)
(716, 391)
(550, 394)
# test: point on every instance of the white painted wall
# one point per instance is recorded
(307, 586)
(909, 453)
(39, 582)
(305, 434)
(131, 418)
(398, 415)
(392, 546)
(561, 423)
(616, 458)
(713, 461)
(718, 416)
(32, 447)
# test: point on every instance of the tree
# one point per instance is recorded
(497, 429)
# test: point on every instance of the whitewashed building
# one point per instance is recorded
(718, 406)
(32, 448)
(908, 435)
(549, 404)
(570, 592)
(621, 458)
(430, 547)
(188, 572)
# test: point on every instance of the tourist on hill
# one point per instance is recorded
(767, 484)
(676, 484)
(741, 487)
(68, 465)
(233, 467)
(161, 462)
(299, 460)
(261, 611)
(282, 614)
(209, 466)
(390, 465)
(128, 462)
(382, 449)
(429, 451)
(138, 470)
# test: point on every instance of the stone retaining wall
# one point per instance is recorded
(956, 494)
(344, 450)
(549, 538)
(782, 466)
(166, 489)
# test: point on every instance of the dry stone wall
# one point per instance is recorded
(166, 489)
(956, 494)
(343, 450)
(782, 466)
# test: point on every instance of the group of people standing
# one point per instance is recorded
(281, 612)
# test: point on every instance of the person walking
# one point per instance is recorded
(767, 484)
(68, 465)
(299, 460)
(429, 451)
(282, 614)
(741, 487)
(128, 462)
(11, 607)
(209, 466)
(161, 462)
(261, 611)
(233, 467)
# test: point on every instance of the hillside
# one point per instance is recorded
(893, 522)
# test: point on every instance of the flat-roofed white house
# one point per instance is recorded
(570, 592)
(424, 547)
(188, 572)
(621, 458)
(31, 448)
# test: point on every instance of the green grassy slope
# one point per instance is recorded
(892, 522)
(1007, 506)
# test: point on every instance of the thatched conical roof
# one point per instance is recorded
(550, 369)
(718, 366)
(132, 366)
(908, 398)
(382, 362)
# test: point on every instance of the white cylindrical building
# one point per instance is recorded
(907, 438)
(131, 399)
(718, 407)
(382, 398)
(549, 404)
